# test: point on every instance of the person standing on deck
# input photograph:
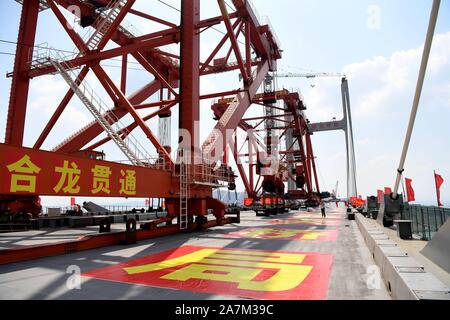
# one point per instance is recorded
(322, 208)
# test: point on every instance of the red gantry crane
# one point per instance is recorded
(75, 167)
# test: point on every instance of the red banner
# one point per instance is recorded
(439, 182)
(271, 201)
(410, 190)
(72, 202)
(380, 196)
(248, 202)
(26, 171)
(357, 202)
(387, 190)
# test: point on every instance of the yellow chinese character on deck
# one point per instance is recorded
(23, 175)
(236, 266)
(101, 179)
(69, 178)
(128, 183)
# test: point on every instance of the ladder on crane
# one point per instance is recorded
(104, 23)
(129, 145)
(310, 75)
(216, 134)
(184, 189)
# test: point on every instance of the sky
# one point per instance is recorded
(377, 44)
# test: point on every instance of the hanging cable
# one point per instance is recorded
(60, 50)
(213, 28)
(7, 53)
(420, 81)
(320, 173)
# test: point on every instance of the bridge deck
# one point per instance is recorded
(292, 256)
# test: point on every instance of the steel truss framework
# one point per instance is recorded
(295, 163)
(171, 72)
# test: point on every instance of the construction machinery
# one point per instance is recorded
(184, 178)
(270, 163)
(310, 75)
(344, 124)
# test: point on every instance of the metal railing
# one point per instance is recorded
(39, 56)
(110, 209)
(426, 220)
(204, 172)
(266, 21)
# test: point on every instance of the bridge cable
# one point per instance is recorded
(420, 82)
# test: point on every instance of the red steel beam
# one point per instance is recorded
(313, 161)
(251, 167)
(123, 76)
(152, 18)
(111, 86)
(189, 115)
(116, 23)
(243, 175)
(17, 109)
(58, 112)
(248, 48)
(217, 49)
(155, 72)
(203, 97)
(233, 39)
(244, 100)
(109, 54)
(302, 129)
(238, 32)
(132, 126)
(93, 130)
(260, 44)
(83, 48)
(69, 95)
(69, 30)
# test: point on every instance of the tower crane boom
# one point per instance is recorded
(310, 75)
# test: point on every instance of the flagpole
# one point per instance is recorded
(404, 190)
(419, 87)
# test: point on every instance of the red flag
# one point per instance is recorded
(410, 191)
(380, 196)
(387, 190)
(439, 182)
(72, 202)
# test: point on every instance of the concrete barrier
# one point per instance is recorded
(438, 248)
(404, 277)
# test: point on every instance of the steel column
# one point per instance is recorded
(123, 78)
(17, 110)
(189, 115)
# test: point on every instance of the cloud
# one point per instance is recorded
(45, 95)
(379, 82)
(381, 93)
